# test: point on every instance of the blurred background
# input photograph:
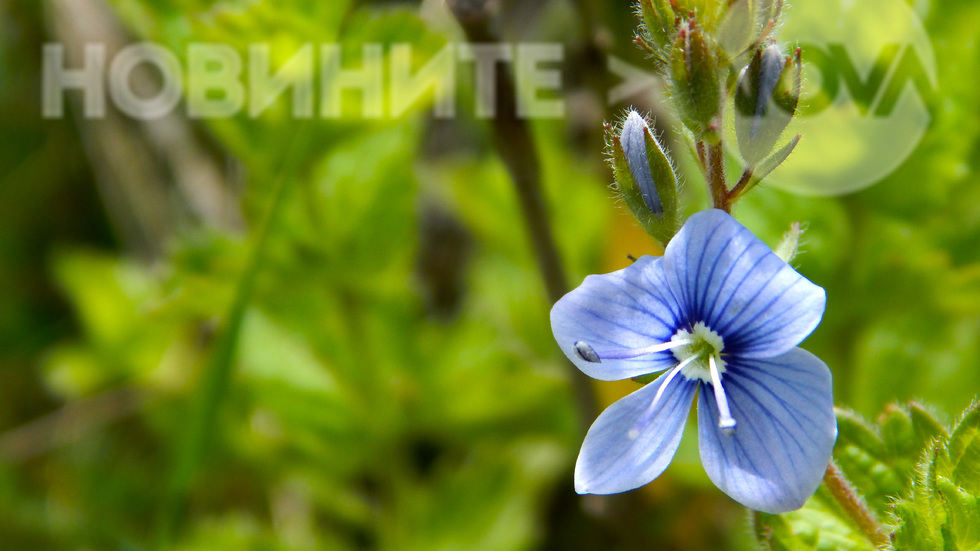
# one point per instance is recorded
(331, 332)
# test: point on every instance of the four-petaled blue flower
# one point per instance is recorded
(722, 314)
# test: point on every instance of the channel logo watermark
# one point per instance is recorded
(216, 81)
(869, 82)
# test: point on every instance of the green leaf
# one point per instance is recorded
(774, 533)
(898, 434)
(918, 530)
(964, 450)
(818, 526)
(905, 467)
(855, 430)
(962, 515)
(942, 510)
(870, 458)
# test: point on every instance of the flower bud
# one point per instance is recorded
(645, 177)
(695, 83)
(766, 98)
(633, 139)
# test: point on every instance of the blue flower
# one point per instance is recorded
(721, 314)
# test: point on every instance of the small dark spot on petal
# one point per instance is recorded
(586, 352)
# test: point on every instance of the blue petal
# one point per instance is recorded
(611, 461)
(615, 312)
(731, 281)
(786, 430)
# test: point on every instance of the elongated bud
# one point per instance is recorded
(695, 83)
(645, 177)
(634, 142)
(766, 98)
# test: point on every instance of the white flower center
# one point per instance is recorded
(698, 354)
(694, 349)
(699, 357)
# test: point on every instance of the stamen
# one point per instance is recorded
(645, 418)
(725, 421)
(589, 354)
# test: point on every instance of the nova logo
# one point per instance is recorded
(874, 93)
(869, 84)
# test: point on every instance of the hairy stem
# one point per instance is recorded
(855, 506)
(739, 188)
(716, 177)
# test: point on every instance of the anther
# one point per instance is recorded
(586, 352)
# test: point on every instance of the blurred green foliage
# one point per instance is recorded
(395, 384)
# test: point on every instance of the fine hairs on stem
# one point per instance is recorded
(855, 506)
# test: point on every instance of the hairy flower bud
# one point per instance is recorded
(645, 177)
(766, 98)
(695, 83)
(633, 140)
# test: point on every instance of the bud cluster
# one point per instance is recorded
(716, 56)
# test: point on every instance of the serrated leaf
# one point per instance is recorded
(774, 533)
(918, 530)
(918, 526)
(897, 432)
(820, 525)
(855, 430)
(964, 451)
(962, 515)
(878, 474)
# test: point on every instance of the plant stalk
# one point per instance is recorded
(855, 506)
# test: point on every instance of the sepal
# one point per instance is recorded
(659, 25)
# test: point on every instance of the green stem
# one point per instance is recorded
(855, 506)
(743, 182)
(217, 376)
(716, 177)
(513, 141)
